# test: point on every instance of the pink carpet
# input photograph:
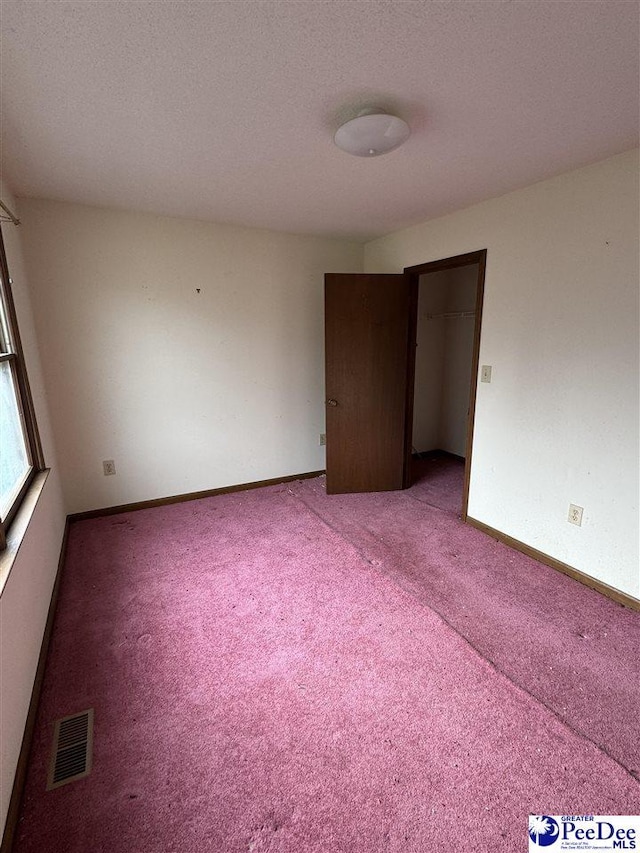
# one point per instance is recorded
(279, 670)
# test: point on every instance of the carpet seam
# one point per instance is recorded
(465, 639)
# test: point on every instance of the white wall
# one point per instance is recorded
(25, 598)
(559, 421)
(430, 338)
(458, 357)
(443, 360)
(185, 390)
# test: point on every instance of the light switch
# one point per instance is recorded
(485, 375)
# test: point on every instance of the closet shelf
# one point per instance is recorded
(451, 315)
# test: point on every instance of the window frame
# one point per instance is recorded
(26, 410)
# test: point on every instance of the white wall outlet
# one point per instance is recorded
(485, 373)
(575, 514)
(108, 467)
(323, 439)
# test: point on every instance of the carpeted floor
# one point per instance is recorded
(278, 670)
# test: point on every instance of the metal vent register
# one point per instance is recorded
(72, 749)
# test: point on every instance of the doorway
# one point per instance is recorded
(448, 297)
(370, 369)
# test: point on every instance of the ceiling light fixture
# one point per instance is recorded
(371, 132)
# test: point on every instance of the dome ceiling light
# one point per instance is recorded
(371, 133)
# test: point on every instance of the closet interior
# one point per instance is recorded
(444, 357)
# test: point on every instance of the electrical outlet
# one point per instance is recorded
(575, 515)
(485, 375)
(108, 467)
(323, 439)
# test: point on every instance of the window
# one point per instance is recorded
(20, 450)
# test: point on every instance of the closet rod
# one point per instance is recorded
(10, 217)
(451, 315)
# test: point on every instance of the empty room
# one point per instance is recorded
(319, 426)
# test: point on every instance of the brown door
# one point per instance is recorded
(369, 385)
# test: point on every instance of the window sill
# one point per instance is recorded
(19, 526)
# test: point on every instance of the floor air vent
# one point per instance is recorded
(72, 749)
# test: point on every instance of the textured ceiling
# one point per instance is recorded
(226, 110)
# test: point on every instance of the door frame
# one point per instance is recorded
(478, 257)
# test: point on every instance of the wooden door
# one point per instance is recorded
(370, 354)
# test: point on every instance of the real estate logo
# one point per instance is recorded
(585, 833)
(543, 830)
